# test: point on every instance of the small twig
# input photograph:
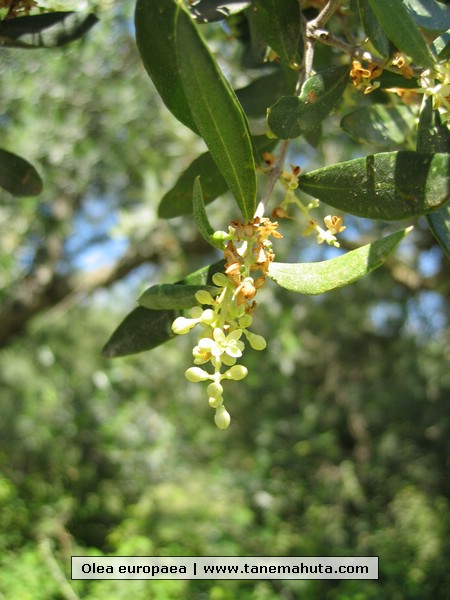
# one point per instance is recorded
(274, 175)
(324, 16)
(328, 39)
(308, 29)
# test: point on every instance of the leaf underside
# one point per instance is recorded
(320, 277)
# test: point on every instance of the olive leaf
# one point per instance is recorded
(320, 277)
(387, 185)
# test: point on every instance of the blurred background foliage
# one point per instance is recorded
(340, 437)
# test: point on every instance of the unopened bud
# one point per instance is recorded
(220, 236)
(237, 372)
(215, 402)
(245, 321)
(208, 316)
(204, 297)
(222, 417)
(257, 342)
(195, 374)
(215, 390)
(220, 279)
(182, 325)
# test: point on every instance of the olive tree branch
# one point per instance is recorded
(304, 74)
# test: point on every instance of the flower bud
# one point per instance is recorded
(257, 342)
(237, 372)
(245, 321)
(215, 402)
(204, 297)
(215, 390)
(182, 325)
(195, 374)
(220, 279)
(221, 236)
(222, 417)
(208, 316)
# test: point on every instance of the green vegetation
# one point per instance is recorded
(339, 439)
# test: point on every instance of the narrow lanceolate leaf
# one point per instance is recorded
(261, 93)
(48, 30)
(17, 176)
(429, 14)
(434, 136)
(400, 28)
(144, 329)
(201, 218)
(279, 23)
(439, 222)
(320, 277)
(387, 186)
(178, 200)
(380, 125)
(155, 36)
(173, 296)
(372, 28)
(217, 114)
(293, 116)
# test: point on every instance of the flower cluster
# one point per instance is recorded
(436, 83)
(363, 77)
(228, 315)
(333, 223)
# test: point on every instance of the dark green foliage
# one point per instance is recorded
(388, 185)
(292, 116)
(17, 176)
(45, 31)
(339, 440)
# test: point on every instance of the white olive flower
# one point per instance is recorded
(222, 343)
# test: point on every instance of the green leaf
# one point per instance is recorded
(173, 296)
(429, 14)
(380, 125)
(279, 23)
(217, 114)
(319, 277)
(442, 46)
(48, 30)
(256, 97)
(144, 329)
(178, 200)
(155, 36)
(388, 185)
(293, 116)
(388, 79)
(141, 330)
(201, 218)
(17, 176)
(372, 28)
(434, 136)
(209, 11)
(439, 222)
(400, 28)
